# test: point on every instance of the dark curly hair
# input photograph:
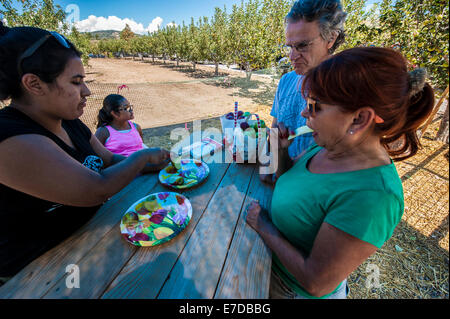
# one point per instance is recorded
(328, 13)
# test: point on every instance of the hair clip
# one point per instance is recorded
(417, 81)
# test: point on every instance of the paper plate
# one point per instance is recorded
(156, 219)
(192, 173)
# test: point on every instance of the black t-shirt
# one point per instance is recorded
(31, 226)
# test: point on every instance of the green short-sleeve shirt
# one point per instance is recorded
(367, 204)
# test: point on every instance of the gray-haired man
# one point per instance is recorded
(314, 30)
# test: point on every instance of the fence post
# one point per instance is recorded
(442, 134)
(423, 129)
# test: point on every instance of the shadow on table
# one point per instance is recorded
(147, 281)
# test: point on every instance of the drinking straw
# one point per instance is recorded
(235, 113)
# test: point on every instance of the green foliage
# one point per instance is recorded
(82, 42)
(126, 34)
(253, 33)
(35, 13)
(419, 29)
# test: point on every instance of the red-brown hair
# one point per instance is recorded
(379, 78)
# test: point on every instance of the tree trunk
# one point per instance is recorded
(217, 68)
(442, 134)
(178, 62)
(153, 58)
(248, 72)
(193, 64)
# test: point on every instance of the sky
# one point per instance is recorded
(141, 15)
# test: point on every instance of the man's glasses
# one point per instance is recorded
(128, 108)
(300, 47)
(35, 46)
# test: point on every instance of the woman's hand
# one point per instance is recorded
(258, 218)
(281, 133)
(158, 156)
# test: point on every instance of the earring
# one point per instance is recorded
(351, 132)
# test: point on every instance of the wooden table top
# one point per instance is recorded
(217, 256)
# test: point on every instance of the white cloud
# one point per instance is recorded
(93, 23)
(155, 24)
(171, 24)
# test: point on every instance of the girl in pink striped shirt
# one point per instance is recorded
(115, 129)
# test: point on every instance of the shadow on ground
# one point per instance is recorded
(260, 92)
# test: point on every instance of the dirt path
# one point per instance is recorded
(164, 94)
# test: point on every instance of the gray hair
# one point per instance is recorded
(328, 13)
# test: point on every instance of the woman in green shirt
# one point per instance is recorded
(342, 199)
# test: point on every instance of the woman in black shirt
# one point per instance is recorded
(54, 174)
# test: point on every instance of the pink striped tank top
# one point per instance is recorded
(124, 142)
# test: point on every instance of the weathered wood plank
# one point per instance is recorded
(40, 275)
(196, 273)
(148, 269)
(246, 274)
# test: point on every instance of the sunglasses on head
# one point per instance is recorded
(35, 46)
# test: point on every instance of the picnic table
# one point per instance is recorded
(217, 256)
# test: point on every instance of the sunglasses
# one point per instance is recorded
(311, 106)
(128, 108)
(35, 46)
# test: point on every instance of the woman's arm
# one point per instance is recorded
(102, 134)
(139, 129)
(335, 254)
(35, 165)
(110, 159)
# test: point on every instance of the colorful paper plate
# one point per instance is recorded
(156, 219)
(192, 173)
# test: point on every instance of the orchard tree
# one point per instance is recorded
(361, 25)
(152, 45)
(217, 49)
(126, 34)
(192, 35)
(35, 13)
(273, 13)
(182, 45)
(82, 42)
(422, 33)
(169, 40)
(252, 49)
(138, 46)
